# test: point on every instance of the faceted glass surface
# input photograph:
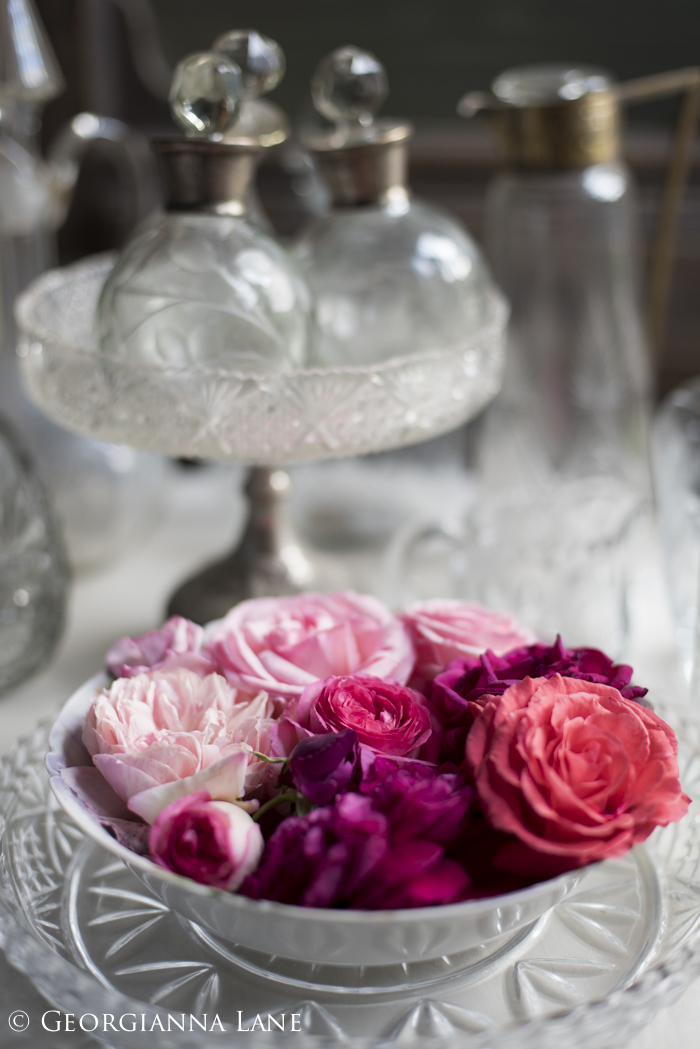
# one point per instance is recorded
(213, 413)
(205, 94)
(393, 279)
(591, 972)
(260, 59)
(349, 84)
(33, 569)
(676, 460)
(205, 290)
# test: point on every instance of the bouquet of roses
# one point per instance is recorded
(318, 750)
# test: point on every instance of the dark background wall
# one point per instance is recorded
(435, 50)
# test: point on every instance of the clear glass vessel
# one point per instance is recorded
(204, 286)
(566, 438)
(390, 276)
(33, 569)
(209, 290)
(676, 460)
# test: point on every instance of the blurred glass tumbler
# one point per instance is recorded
(33, 568)
(676, 461)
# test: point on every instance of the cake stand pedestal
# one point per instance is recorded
(265, 420)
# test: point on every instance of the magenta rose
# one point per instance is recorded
(442, 630)
(178, 643)
(212, 842)
(573, 769)
(388, 718)
(283, 644)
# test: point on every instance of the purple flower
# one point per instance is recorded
(344, 855)
(322, 766)
(418, 800)
(458, 693)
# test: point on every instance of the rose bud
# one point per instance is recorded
(322, 766)
(213, 842)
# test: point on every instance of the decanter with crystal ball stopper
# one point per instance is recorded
(391, 276)
(204, 286)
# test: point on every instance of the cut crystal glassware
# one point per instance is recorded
(34, 572)
(593, 970)
(224, 414)
(390, 275)
(676, 461)
(203, 285)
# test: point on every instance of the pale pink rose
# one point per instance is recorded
(573, 769)
(283, 644)
(387, 717)
(178, 643)
(212, 842)
(162, 735)
(441, 630)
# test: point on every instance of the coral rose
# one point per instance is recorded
(283, 644)
(388, 718)
(442, 630)
(573, 769)
(158, 736)
(210, 841)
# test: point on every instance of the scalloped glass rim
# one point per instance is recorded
(258, 418)
(474, 917)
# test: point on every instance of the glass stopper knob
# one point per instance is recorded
(260, 59)
(348, 85)
(205, 96)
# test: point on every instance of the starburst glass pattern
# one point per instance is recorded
(265, 419)
(591, 971)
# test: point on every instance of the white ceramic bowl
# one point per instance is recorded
(327, 937)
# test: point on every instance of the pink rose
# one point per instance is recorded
(282, 644)
(178, 643)
(158, 736)
(387, 717)
(573, 769)
(212, 842)
(442, 630)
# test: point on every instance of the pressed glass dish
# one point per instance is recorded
(591, 971)
(259, 419)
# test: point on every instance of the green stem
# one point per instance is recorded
(270, 761)
(289, 795)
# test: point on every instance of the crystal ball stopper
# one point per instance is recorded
(349, 85)
(206, 93)
(260, 59)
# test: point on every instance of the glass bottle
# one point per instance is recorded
(33, 568)
(390, 275)
(563, 449)
(203, 285)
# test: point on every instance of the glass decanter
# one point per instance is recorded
(390, 275)
(33, 568)
(203, 285)
(103, 494)
(563, 449)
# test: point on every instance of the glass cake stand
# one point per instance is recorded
(264, 420)
(590, 972)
